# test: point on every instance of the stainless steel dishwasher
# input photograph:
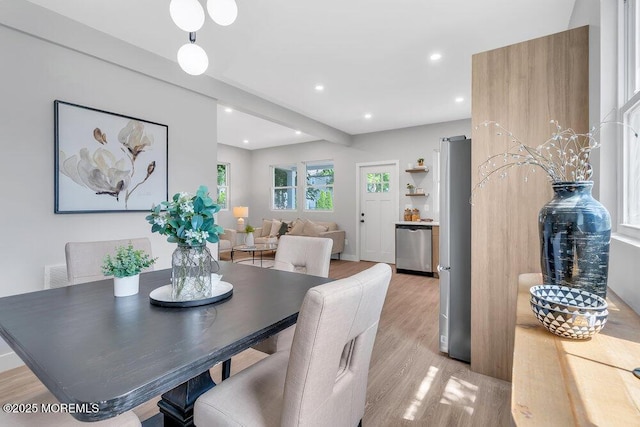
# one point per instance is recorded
(413, 249)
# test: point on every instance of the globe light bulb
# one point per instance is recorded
(188, 15)
(223, 12)
(193, 59)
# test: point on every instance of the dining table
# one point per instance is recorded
(110, 354)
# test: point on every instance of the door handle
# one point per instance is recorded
(441, 268)
(362, 220)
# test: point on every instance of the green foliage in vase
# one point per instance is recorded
(249, 229)
(126, 262)
(187, 219)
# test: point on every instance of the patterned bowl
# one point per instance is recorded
(567, 312)
(564, 298)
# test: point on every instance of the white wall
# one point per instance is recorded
(602, 16)
(405, 145)
(240, 181)
(39, 72)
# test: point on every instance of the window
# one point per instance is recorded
(223, 186)
(283, 192)
(630, 113)
(378, 182)
(319, 186)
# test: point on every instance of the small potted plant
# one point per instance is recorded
(125, 266)
(249, 240)
(420, 161)
(411, 188)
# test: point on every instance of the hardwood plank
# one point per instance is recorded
(410, 381)
(579, 382)
(522, 87)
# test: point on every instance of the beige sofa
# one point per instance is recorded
(269, 232)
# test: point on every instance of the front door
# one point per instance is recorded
(378, 212)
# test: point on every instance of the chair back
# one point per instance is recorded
(84, 259)
(326, 381)
(303, 254)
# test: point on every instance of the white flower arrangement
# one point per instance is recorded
(564, 157)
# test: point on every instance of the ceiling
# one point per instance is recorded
(372, 56)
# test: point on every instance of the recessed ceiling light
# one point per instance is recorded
(319, 88)
(246, 141)
(367, 116)
(459, 99)
(228, 109)
(298, 132)
(435, 57)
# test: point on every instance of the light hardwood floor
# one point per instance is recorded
(410, 381)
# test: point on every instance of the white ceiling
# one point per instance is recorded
(372, 56)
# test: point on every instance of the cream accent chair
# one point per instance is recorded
(49, 419)
(323, 380)
(84, 259)
(308, 255)
(227, 241)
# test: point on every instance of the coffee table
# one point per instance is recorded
(261, 248)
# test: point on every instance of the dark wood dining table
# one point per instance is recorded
(89, 347)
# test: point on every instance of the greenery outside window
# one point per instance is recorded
(284, 187)
(319, 186)
(223, 186)
(378, 182)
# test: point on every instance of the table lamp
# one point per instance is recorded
(241, 212)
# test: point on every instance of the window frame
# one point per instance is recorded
(629, 102)
(226, 187)
(291, 187)
(308, 164)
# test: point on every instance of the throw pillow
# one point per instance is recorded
(312, 229)
(283, 229)
(266, 228)
(275, 227)
(297, 228)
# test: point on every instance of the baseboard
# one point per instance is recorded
(9, 361)
(347, 257)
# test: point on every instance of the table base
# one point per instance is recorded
(176, 405)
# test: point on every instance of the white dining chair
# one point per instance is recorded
(322, 381)
(84, 259)
(308, 255)
(60, 419)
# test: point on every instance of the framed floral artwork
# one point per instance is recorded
(107, 162)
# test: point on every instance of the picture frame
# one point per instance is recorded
(107, 162)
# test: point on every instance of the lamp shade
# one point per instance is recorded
(193, 59)
(240, 211)
(188, 15)
(223, 12)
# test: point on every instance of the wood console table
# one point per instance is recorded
(562, 382)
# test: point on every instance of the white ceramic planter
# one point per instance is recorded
(125, 286)
(249, 241)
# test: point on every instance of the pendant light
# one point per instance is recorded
(188, 15)
(223, 12)
(192, 58)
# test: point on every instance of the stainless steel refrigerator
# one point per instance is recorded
(455, 247)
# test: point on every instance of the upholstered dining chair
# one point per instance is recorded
(84, 259)
(51, 419)
(304, 254)
(322, 381)
(308, 255)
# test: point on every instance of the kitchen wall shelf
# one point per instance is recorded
(418, 170)
(417, 194)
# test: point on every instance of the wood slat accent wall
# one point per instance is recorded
(522, 87)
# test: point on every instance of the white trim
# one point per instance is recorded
(395, 163)
(9, 361)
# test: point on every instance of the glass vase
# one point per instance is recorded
(191, 266)
(575, 231)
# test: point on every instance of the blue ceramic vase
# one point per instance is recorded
(575, 230)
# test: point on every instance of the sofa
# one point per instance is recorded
(227, 241)
(272, 229)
